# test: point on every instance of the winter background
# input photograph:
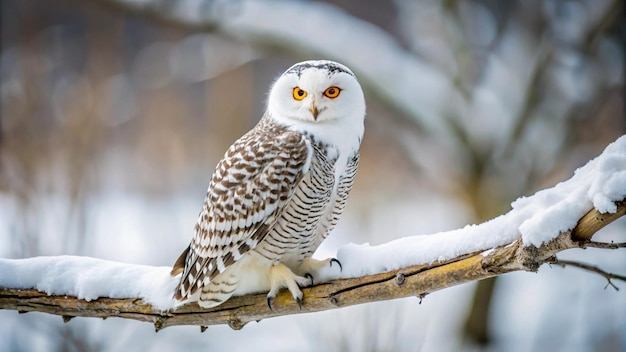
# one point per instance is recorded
(112, 121)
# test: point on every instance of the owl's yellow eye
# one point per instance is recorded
(332, 92)
(298, 93)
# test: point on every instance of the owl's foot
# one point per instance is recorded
(281, 276)
(311, 267)
(335, 260)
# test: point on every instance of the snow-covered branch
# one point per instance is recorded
(531, 234)
(415, 280)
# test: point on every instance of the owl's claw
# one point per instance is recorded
(269, 303)
(335, 260)
(282, 277)
(310, 277)
(310, 266)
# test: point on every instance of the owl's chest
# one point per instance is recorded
(323, 165)
(313, 193)
(293, 236)
(315, 190)
(326, 161)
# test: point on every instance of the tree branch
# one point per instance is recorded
(603, 245)
(608, 276)
(589, 224)
(416, 280)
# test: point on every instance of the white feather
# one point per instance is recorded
(340, 122)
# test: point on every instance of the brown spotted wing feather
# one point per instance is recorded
(249, 190)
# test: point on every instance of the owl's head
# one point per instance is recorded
(317, 92)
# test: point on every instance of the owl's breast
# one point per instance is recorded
(293, 236)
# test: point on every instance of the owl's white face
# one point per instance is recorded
(317, 92)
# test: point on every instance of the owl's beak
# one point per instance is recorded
(314, 111)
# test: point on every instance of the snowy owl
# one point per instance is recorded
(279, 190)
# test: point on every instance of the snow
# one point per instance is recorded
(535, 219)
(90, 278)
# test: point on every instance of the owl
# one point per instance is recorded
(279, 191)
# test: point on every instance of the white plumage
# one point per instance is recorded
(279, 190)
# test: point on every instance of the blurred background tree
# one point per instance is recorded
(114, 113)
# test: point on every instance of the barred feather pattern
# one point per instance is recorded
(248, 191)
(274, 197)
(294, 233)
(337, 205)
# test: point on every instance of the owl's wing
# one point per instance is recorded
(249, 190)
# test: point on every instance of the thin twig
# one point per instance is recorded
(603, 245)
(608, 276)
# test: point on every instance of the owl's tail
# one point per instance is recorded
(179, 268)
(208, 294)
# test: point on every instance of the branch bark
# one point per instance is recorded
(417, 281)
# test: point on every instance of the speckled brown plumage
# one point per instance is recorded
(274, 197)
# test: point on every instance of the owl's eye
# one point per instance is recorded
(332, 92)
(298, 93)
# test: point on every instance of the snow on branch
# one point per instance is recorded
(415, 280)
(530, 235)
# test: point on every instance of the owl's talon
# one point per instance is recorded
(335, 260)
(299, 301)
(282, 277)
(269, 303)
(310, 277)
